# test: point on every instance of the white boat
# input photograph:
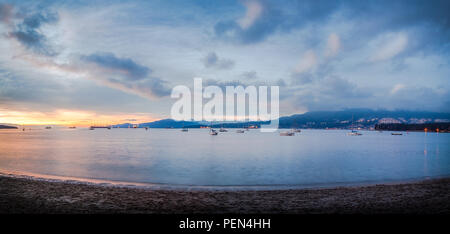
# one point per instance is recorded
(288, 133)
(354, 133)
(213, 132)
(240, 131)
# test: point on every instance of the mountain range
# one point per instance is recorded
(357, 118)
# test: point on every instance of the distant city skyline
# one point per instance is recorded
(76, 62)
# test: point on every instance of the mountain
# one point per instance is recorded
(7, 127)
(362, 118)
(358, 118)
(164, 123)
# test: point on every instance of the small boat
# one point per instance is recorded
(213, 132)
(297, 130)
(94, 127)
(396, 134)
(288, 133)
(72, 127)
(240, 131)
(184, 129)
(48, 127)
(223, 130)
(354, 133)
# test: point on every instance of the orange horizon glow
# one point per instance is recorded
(71, 118)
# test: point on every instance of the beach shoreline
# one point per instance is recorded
(30, 195)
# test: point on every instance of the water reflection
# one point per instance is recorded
(253, 158)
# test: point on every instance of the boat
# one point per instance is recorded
(396, 134)
(213, 132)
(297, 130)
(288, 133)
(240, 131)
(183, 129)
(72, 127)
(354, 132)
(223, 130)
(146, 128)
(94, 127)
(48, 127)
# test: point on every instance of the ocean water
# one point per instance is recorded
(169, 156)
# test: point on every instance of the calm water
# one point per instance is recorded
(195, 158)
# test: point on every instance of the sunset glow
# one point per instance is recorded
(70, 118)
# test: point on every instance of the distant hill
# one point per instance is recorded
(164, 123)
(361, 118)
(358, 118)
(7, 127)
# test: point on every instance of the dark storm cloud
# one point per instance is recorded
(131, 69)
(213, 61)
(276, 17)
(126, 73)
(430, 19)
(29, 32)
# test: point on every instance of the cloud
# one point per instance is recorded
(337, 87)
(254, 10)
(125, 66)
(333, 45)
(308, 62)
(389, 46)
(249, 75)
(124, 74)
(397, 88)
(213, 61)
(330, 93)
(5, 13)
(419, 98)
(29, 33)
(263, 18)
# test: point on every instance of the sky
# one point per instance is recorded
(78, 62)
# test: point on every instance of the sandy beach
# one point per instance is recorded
(24, 195)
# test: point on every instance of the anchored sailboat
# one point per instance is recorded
(354, 132)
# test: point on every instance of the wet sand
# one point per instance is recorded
(23, 195)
